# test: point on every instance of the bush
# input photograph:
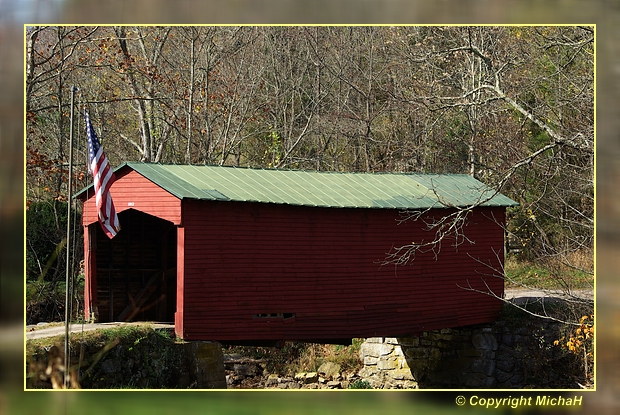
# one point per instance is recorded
(44, 302)
(46, 226)
(360, 384)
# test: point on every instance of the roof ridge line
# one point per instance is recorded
(405, 173)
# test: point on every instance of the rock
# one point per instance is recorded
(352, 377)
(464, 353)
(272, 380)
(388, 364)
(334, 384)
(422, 353)
(503, 377)
(506, 363)
(244, 370)
(401, 374)
(486, 367)
(484, 341)
(375, 349)
(329, 370)
(398, 351)
(369, 360)
(111, 366)
(208, 366)
(311, 377)
(307, 377)
(409, 341)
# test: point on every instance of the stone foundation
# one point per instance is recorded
(136, 360)
(488, 356)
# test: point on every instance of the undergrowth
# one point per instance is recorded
(295, 357)
(567, 344)
(130, 346)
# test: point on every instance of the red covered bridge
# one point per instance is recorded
(238, 254)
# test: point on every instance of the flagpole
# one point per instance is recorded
(67, 279)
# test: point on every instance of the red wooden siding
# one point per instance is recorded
(317, 272)
(136, 192)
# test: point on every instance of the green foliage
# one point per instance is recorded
(45, 301)
(46, 226)
(275, 151)
(360, 384)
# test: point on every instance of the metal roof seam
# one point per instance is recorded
(341, 183)
(228, 180)
(319, 190)
(390, 195)
(294, 190)
(326, 198)
(259, 189)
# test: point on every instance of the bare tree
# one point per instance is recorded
(538, 84)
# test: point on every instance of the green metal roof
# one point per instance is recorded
(321, 189)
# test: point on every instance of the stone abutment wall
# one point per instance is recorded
(496, 355)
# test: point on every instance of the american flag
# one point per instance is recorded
(103, 178)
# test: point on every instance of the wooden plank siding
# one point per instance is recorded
(322, 268)
(132, 191)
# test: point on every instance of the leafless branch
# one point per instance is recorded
(542, 315)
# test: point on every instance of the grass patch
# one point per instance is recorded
(550, 275)
(316, 354)
(97, 339)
